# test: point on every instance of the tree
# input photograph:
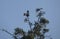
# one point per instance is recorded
(39, 27)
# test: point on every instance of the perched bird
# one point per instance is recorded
(27, 14)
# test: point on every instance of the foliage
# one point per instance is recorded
(38, 30)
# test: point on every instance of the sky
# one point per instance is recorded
(11, 15)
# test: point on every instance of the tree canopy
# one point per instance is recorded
(39, 29)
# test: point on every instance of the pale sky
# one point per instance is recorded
(11, 15)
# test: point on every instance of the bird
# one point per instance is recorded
(27, 14)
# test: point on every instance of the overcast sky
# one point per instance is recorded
(11, 15)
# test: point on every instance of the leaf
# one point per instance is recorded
(38, 9)
(19, 31)
(43, 20)
(25, 20)
(45, 30)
